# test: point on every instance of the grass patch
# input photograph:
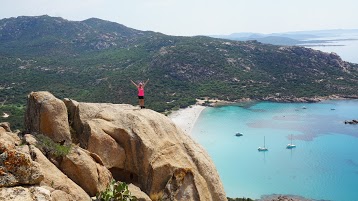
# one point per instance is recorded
(16, 115)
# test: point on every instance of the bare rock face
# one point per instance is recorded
(145, 148)
(58, 195)
(20, 193)
(6, 126)
(140, 195)
(7, 136)
(47, 115)
(79, 166)
(54, 178)
(181, 186)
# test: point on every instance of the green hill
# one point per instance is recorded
(93, 60)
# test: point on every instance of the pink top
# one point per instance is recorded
(140, 91)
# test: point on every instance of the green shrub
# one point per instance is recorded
(116, 191)
(51, 148)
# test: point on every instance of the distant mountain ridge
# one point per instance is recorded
(93, 60)
(45, 32)
(288, 38)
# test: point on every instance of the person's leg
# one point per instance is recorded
(142, 103)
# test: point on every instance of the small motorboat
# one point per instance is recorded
(239, 134)
(290, 146)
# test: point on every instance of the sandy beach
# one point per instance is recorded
(186, 118)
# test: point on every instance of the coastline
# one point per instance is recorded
(186, 118)
(214, 103)
(277, 98)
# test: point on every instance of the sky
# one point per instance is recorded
(198, 17)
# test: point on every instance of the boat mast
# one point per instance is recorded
(264, 142)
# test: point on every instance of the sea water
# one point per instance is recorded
(323, 166)
(346, 46)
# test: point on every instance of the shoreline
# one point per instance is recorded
(278, 99)
(218, 103)
(283, 197)
(186, 118)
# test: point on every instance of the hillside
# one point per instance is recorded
(93, 60)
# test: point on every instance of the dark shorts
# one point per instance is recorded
(140, 97)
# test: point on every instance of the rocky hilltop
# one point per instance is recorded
(140, 147)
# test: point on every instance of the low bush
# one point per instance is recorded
(116, 191)
(51, 148)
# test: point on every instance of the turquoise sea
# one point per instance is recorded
(323, 166)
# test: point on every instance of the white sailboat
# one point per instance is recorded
(290, 146)
(263, 148)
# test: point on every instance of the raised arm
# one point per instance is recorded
(134, 83)
(146, 82)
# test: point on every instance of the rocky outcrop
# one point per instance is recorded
(81, 168)
(276, 197)
(351, 122)
(26, 165)
(136, 146)
(16, 167)
(145, 148)
(7, 136)
(57, 180)
(20, 193)
(180, 186)
(140, 195)
(47, 115)
(291, 99)
(5, 126)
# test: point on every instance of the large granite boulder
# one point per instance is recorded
(47, 115)
(83, 169)
(54, 178)
(145, 148)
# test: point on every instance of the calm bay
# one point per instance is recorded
(324, 165)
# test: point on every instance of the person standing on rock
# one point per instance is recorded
(140, 86)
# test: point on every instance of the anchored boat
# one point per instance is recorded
(263, 148)
(290, 146)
